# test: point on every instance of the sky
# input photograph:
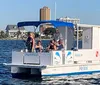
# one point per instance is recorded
(13, 11)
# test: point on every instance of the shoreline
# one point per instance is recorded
(35, 39)
(25, 39)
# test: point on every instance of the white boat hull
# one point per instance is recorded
(71, 70)
(63, 70)
(55, 63)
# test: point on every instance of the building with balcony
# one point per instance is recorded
(13, 30)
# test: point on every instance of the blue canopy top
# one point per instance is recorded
(37, 23)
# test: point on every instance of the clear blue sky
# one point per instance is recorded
(13, 11)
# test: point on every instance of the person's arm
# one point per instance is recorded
(41, 48)
(37, 46)
(33, 42)
(48, 48)
(55, 48)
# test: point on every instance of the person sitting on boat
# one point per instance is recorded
(60, 46)
(57, 36)
(30, 42)
(52, 46)
(39, 47)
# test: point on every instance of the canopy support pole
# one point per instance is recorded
(40, 32)
(77, 35)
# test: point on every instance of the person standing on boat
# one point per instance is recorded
(31, 42)
(57, 36)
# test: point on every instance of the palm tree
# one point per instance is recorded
(2, 34)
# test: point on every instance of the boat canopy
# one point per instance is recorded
(53, 22)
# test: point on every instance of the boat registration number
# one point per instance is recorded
(82, 68)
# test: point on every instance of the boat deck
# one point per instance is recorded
(24, 65)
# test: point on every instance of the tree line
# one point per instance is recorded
(46, 32)
(3, 35)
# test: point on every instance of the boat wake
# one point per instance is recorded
(93, 79)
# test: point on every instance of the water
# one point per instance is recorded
(6, 46)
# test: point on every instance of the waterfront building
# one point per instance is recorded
(12, 31)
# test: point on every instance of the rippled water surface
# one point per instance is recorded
(6, 47)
